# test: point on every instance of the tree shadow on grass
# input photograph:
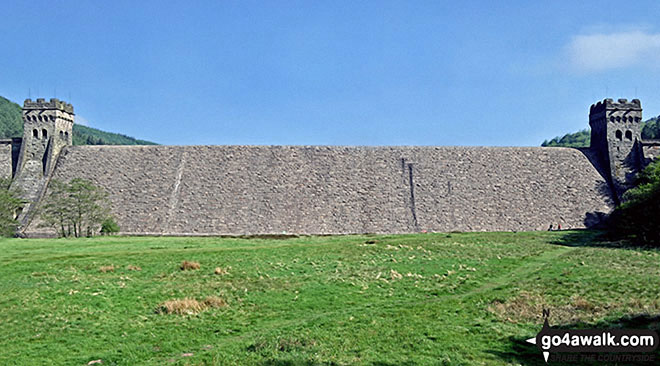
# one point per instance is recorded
(527, 354)
(595, 238)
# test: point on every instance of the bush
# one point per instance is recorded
(636, 218)
(109, 226)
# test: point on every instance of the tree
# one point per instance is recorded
(77, 208)
(651, 129)
(10, 205)
(636, 217)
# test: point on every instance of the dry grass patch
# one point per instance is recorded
(187, 266)
(581, 303)
(180, 307)
(221, 271)
(133, 268)
(394, 275)
(215, 302)
(104, 269)
(528, 307)
(188, 306)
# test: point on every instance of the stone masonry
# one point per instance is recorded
(236, 190)
(617, 140)
(47, 129)
(244, 190)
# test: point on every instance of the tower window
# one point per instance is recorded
(66, 135)
(44, 133)
(35, 133)
(61, 134)
(629, 135)
(619, 135)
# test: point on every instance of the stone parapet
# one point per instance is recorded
(42, 104)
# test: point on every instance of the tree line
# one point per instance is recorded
(650, 130)
(73, 209)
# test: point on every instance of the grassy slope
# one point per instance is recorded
(11, 125)
(463, 299)
(83, 135)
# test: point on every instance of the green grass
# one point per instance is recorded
(426, 299)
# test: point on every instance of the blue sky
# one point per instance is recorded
(508, 73)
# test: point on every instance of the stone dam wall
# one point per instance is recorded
(241, 190)
(5, 159)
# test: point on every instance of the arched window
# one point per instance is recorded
(61, 134)
(629, 135)
(66, 135)
(612, 119)
(35, 133)
(619, 135)
(44, 133)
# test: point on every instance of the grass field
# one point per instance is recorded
(425, 299)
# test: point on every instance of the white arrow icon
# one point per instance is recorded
(546, 355)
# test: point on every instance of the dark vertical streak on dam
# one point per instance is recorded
(412, 196)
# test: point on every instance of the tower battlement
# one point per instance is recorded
(42, 104)
(631, 110)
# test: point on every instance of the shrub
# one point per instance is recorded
(109, 226)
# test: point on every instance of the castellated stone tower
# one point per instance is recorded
(616, 139)
(47, 128)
